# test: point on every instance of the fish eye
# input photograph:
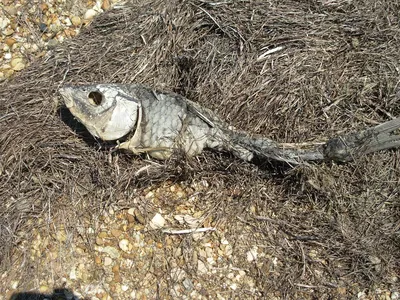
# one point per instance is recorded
(95, 98)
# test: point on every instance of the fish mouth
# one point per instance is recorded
(67, 97)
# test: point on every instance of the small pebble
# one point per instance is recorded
(14, 284)
(72, 274)
(10, 41)
(43, 7)
(106, 5)
(8, 56)
(188, 284)
(97, 260)
(68, 22)
(55, 28)
(44, 289)
(107, 261)
(157, 222)
(115, 269)
(76, 21)
(103, 235)
(11, 10)
(8, 31)
(8, 73)
(124, 245)
(52, 43)
(116, 233)
(139, 217)
(113, 252)
(18, 64)
(100, 241)
(43, 27)
(124, 288)
(89, 14)
(201, 267)
(4, 22)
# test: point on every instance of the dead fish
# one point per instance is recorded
(143, 120)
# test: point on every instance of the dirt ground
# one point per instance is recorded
(76, 218)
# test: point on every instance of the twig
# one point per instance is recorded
(186, 231)
(307, 286)
(263, 56)
(5, 116)
(212, 18)
(215, 3)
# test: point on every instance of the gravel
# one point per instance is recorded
(28, 29)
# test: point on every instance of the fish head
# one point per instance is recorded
(106, 110)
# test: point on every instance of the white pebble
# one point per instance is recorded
(14, 284)
(361, 295)
(89, 14)
(124, 287)
(72, 274)
(252, 254)
(34, 48)
(107, 261)
(157, 222)
(4, 21)
(395, 296)
(97, 6)
(224, 241)
(8, 56)
(275, 261)
(124, 245)
(113, 252)
(211, 260)
(201, 267)
(68, 22)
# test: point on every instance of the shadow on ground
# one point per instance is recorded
(58, 294)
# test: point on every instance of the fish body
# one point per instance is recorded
(143, 120)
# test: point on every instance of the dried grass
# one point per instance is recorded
(338, 71)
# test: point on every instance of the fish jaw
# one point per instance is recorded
(66, 93)
(78, 110)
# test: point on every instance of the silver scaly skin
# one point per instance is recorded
(142, 120)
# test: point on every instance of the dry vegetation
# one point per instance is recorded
(333, 228)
